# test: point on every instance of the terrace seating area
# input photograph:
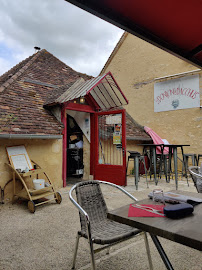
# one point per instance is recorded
(48, 241)
(163, 161)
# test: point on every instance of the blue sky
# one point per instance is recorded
(81, 40)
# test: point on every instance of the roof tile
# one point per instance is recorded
(37, 80)
(21, 109)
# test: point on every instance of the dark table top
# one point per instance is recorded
(186, 231)
(150, 144)
(165, 145)
(175, 145)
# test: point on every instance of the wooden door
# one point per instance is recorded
(110, 147)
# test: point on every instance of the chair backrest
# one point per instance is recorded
(196, 177)
(90, 198)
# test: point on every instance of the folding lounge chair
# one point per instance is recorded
(95, 226)
(28, 192)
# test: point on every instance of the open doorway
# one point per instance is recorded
(75, 166)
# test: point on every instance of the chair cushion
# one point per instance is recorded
(108, 231)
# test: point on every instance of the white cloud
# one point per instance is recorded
(76, 37)
(4, 65)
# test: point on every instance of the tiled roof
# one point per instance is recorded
(6, 76)
(36, 81)
(135, 131)
(57, 92)
(24, 89)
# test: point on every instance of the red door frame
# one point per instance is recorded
(94, 137)
(74, 107)
(111, 173)
(64, 146)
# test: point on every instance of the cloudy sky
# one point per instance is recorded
(79, 39)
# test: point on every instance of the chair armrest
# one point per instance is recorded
(118, 187)
(194, 173)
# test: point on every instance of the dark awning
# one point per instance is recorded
(174, 26)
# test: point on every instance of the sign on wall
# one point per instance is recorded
(18, 157)
(113, 119)
(176, 94)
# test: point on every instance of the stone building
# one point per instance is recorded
(40, 107)
(141, 69)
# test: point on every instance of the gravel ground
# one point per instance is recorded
(45, 240)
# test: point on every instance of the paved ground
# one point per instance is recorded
(45, 240)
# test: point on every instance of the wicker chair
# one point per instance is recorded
(196, 177)
(95, 227)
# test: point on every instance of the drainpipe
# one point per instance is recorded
(29, 136)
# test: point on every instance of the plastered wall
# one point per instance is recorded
(135, 66)
(46, 153)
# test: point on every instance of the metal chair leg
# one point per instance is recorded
(186, 169)
(127, 166)
(161, 165)
(136, 168)
(92, 254)
(75, 250)
(166, 168)
(148, 251)
(145, 169)
(194, 160)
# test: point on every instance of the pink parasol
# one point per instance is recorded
(156, 140)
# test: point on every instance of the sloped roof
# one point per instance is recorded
(103, 89)
(57, 92)
(24, 89)
(41, 79)
(7, 75)
(134, 131)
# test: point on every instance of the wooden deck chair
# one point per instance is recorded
(25, 170)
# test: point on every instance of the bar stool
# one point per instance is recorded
(137, 157)
(199, 156)
(185, 165)
(164, 160)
